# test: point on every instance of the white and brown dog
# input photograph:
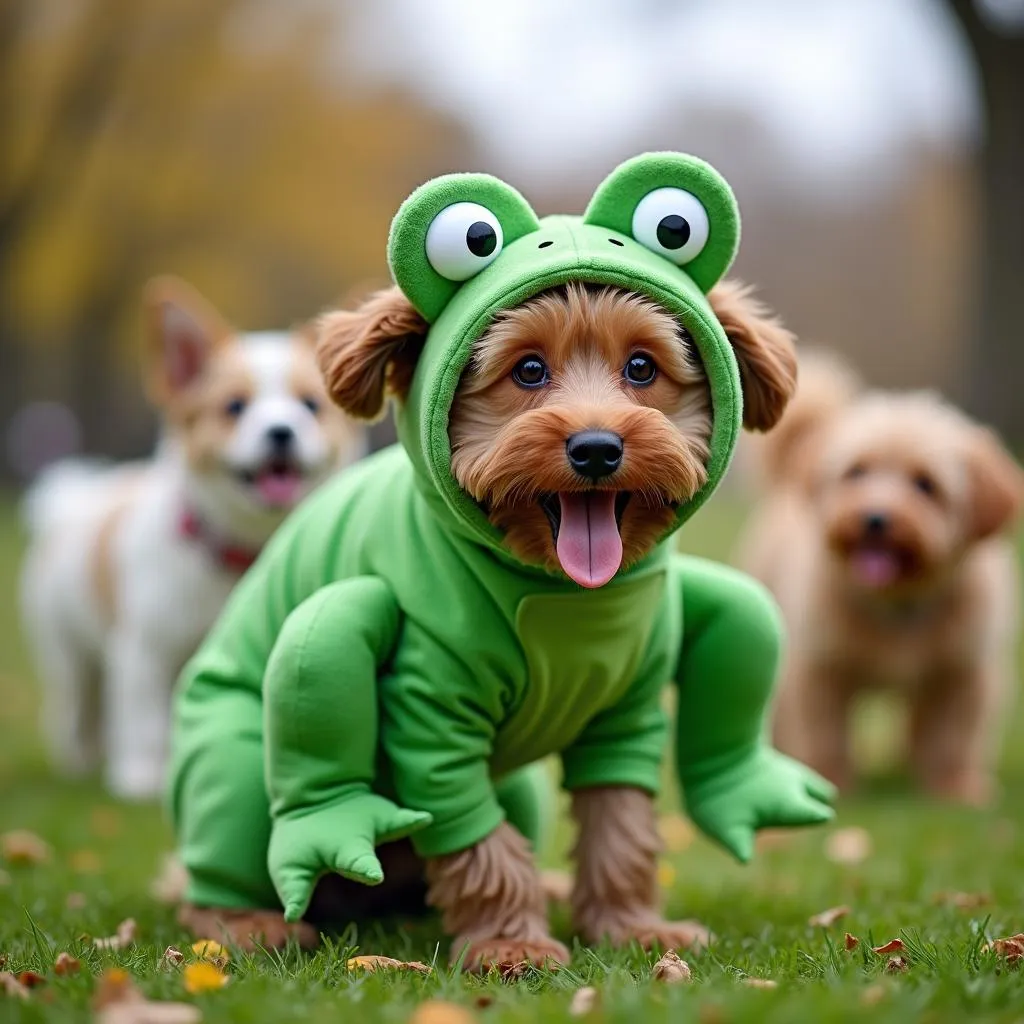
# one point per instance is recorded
(128, 566)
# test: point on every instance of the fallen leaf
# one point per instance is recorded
(170, 885)
(851, 942)
(557, 885)
(514, 970)
(583, 1001)
(1011, 948)
(711, 1013)
(85, 862)
(66, 964)
(211, 951)
(124, 936)
(170, 958)
(848, 845)
(24, 847)
(892, 946)
(827, 918)
(75, 901)
(203, 977)
(671, 969)
(386, 963)
(10, 986)
(118, 1001)
(105, 822)
(896, 965)
(5, 879)
(962, 900)
(437, 1011)
(666, 874)
(676, 832)
(484, 1000)
(872, 995)
(30, 979)
(760, 983)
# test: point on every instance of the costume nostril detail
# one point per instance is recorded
(594, 453)
(544, 245)
(875, 524)
(615, 241)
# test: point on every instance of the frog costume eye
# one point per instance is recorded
(675, 205)
(449, 230)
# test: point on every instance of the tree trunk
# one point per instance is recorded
(996, 357)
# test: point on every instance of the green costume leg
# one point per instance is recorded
(221, 809)
(527, 798)
(320, 704)
(733, 782)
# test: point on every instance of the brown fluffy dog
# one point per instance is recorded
(609, 361)
(883, 537)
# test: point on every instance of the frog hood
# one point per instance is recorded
(464, 247)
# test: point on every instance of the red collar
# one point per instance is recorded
(233, 557)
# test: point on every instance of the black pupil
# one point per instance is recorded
(481, 238)
(640, 369)
(673, 231)
(530, 371)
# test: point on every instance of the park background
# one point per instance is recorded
(259, 149)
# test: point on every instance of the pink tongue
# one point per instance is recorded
(875, 568)
(279, 488)
(589, 546)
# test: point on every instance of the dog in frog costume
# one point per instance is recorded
(394, 667)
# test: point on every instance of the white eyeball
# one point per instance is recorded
(463, 239)
(673, 223)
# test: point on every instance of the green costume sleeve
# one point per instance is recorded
(438, 732)
(321, 732)
(733, 782)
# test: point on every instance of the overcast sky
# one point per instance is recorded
(554, 86)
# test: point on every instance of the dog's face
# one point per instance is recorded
(249, 410)
(907, 486)
(583, 420)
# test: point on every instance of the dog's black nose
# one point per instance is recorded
(281, 437)
(875, 524)
(594, 453)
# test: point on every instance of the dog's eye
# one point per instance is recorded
(858, 469)
(530, 372)
(925, 484)
(640, 369)
(311, 404)
(463, 239)
(673, 223)
(235, 407)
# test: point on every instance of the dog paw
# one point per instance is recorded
(508, 955)
(247, 929)
(652, 931)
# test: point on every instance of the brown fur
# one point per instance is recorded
(508, 443)
(492, 900)
(371, 352)
(942, 630)
(616, 897)
(764, 350)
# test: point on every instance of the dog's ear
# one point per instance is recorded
(370, 352)
(764, 349)
(997, 485)
(182, 331)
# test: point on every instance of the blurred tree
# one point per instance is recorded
(997, 353)
(209, 138)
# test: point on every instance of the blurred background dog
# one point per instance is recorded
(129, 565)
(883, 533)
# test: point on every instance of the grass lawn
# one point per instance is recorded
(105, 857)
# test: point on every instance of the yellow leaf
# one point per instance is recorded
(203, 977)
(210, 949)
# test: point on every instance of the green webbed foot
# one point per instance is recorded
(764, 790)
(340, 836)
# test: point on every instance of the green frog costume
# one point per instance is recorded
(388, 669)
